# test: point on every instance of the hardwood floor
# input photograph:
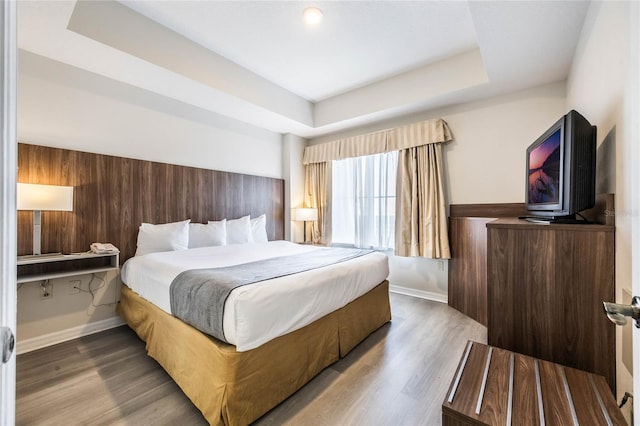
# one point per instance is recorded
(398, 376)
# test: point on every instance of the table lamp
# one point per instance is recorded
(43, 197)
(305, 215)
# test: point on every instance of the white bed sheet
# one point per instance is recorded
(257, 313)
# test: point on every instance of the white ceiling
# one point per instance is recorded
(256, 62)
(357, 44)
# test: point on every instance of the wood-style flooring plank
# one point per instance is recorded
(399, 375)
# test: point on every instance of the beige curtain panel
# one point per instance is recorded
(399, 138)
(317, 194)
(421, 221)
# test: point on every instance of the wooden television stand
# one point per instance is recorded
(545, 288)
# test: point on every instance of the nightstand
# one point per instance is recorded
(37, 268)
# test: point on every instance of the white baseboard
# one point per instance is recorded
(436, 297)
(39, 342)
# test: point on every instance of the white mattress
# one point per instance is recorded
(257, 313)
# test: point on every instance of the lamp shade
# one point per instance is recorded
(306, 214)
(44, 197)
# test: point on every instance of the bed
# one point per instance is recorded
(276, 343)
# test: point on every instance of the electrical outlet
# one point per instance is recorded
(46, 290)
(74, 286)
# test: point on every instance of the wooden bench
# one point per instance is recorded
(494, 386)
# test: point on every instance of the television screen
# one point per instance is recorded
(545, 170)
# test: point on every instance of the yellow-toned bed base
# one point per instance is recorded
(236, 388)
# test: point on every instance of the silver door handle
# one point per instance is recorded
(8, 343)
(618, 313)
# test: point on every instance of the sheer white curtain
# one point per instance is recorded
(364, 201)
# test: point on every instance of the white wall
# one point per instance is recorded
(64, 316)
(598, 87)
(486, 160)
(293, 174)
(64, 107)
(485, 163)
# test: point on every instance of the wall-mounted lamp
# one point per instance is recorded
(43, 197)
(304, 215)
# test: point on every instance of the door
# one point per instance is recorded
(8, 297)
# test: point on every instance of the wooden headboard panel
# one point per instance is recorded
(113, 195)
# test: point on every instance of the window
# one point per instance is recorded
(364, 201)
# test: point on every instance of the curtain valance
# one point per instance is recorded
(411, 135)
(418, 134)
(358, 146)
(321, 153)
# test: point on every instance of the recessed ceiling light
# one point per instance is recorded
(312, 16)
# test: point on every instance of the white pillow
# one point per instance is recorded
(239, 230)
(211, 234)
(165, 237)
(259, 229)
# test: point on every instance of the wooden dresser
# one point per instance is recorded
(496, 387)
(545, 287)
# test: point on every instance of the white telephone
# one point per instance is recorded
(104, 248)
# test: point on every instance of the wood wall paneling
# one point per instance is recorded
(114, 195)
(467, 284)
(488, 210)
(468, 267)
(603, 212)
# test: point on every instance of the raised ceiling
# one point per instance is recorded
(256, 62)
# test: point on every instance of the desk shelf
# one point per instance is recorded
(38, 268)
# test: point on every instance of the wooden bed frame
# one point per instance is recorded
(236, 388)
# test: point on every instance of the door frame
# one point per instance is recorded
(633, 111)
(8, 230)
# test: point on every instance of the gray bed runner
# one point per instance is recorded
(198, 295)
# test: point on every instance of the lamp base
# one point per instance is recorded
(304, 232)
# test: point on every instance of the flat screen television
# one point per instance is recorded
(561, 170)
